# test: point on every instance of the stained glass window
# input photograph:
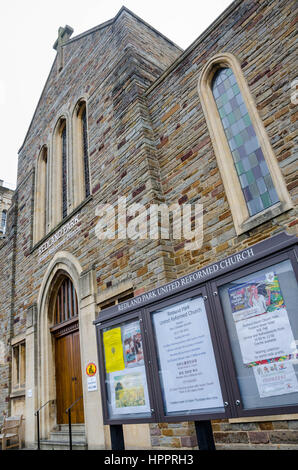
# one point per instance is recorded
(251, 167)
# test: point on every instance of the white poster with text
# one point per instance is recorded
(187, 364)
(265, 336)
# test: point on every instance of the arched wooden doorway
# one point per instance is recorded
(67, 353)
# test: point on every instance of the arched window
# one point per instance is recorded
(250, 164)
(253, 181)
(64, 168)
(3, 221)
(81, 180)
(59, 187)
(66, 305)
(40, 206)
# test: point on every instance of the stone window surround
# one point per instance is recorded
(243, 222)
(75, 173)
(79, 190)
(56, 186)
(41, 195)
(18, 377)
(114, 293)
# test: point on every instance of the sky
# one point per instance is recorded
(29, 28)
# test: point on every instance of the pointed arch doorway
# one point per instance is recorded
(66, 336)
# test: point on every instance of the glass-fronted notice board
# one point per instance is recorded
(224, 347)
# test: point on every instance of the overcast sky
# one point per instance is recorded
(29, 28)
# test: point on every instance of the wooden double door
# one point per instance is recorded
(68, 377)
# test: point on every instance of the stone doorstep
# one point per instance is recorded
(78, 428)
(59, 438)
(51, 445)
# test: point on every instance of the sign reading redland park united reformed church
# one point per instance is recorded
(67, 231)
(186, 281)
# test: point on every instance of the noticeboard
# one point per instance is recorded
(219, 349)
(186, 361)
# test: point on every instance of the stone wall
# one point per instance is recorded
(7, 267)
(149, 142)
(262, 36)
(111, 67)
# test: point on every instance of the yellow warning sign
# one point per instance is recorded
(91, 369)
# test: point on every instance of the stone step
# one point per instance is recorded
(74, 427)
(63, 436)
(59, 438)
(55, 445)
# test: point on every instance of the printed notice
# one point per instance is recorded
(113, 350)
(265, 337)
(276, 378)
(261, 319)
(91, 384)
(187, 363)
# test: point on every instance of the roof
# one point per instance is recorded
(86, 33)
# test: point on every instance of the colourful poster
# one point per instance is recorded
(132, 344)
(129, 391)
(256, 297)
(262, 323)
(113, 350)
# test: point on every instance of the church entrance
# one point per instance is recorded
(67, 354)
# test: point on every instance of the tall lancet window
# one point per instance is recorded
(85, 150)
(81, 171)
(41, 192)
(251, 167)
(64, 169)
(3, 221)
(250, 172)
(59, 173)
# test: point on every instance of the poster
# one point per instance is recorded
(187, 364)
(113, 350)
(276, 378)
(126, 377)
(261, 319)
(132, 344)
(265, 334)
(256, 297)
(264, 338)
(129, 391)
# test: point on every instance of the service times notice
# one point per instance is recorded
(186, 358)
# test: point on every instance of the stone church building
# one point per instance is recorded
(125, 113)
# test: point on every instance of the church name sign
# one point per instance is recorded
(188, 280)
(55, 241)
